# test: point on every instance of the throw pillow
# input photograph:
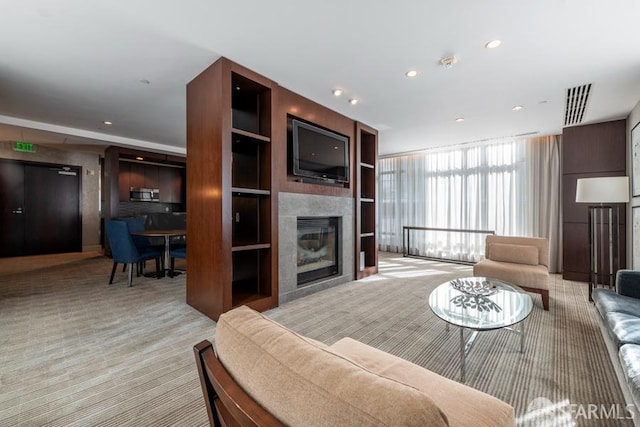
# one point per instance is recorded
(517, 254)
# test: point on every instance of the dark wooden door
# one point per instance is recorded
(52, 210)
(11, 209)
(39, 209)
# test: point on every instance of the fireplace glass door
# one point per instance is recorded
(318, 240)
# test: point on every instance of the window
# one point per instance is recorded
(480, 187)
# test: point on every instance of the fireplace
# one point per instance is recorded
(318, 248)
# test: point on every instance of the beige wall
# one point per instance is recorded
(90, 164)
(632, 120)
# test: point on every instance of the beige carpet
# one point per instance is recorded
(565, 365)
(75, 351)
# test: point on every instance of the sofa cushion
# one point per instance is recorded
(518, 254)
(629, 356)
(463, 406)
(530, 276)
(624, 328)
(303, 383)
(608, 301)
(628, 283)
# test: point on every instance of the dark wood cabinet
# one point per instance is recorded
(151, 176)
(170, 180)
(170, 184)
(136, 175)
(124, 181)
(232, 228)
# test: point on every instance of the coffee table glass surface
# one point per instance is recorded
(480, 303)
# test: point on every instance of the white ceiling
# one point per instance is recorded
(67, 65)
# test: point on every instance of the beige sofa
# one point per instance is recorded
(522, 261)
(265, 374)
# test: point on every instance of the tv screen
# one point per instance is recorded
(319, 153)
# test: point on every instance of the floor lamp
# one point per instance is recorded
(604, 225)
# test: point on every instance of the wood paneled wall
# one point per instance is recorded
(287, 102)
(588, 151)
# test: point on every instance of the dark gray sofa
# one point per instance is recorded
(620, 323)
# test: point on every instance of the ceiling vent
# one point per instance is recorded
(576, 104)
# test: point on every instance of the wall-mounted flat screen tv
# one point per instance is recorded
(319, 153)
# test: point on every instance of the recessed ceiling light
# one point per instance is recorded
(139, 158)
(353, 101)
(337, 92)
(106, 122)
(493, 44)
(460, 119)
(411, 73)
(517, 108)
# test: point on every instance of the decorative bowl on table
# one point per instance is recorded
(474, 287)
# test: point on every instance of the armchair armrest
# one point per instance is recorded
(628, 283)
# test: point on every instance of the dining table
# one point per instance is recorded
(167, 235)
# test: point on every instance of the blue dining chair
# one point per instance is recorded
(124, 250)
(143, 244)
(181, 253)
(137, 224)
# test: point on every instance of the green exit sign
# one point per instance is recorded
(26, 147)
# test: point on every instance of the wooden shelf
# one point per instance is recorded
(250, 104)
(251, 220)
(250, 190)
(254, 191)
(245, 297)
(255, 136)
(251, 247)
(250, 162)
(229, 150)
(368, 246)
(366, 240)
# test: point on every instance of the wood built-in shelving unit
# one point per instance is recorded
(366, 238)
(233, 256)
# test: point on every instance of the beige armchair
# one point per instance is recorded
(522, 261)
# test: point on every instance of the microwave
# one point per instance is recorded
(144, 194)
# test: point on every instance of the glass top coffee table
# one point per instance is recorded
(480, 304)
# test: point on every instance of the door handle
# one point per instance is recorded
(17, 211)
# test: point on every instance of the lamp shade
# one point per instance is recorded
(613, 189)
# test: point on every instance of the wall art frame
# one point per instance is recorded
(635, 233)
(635, 159)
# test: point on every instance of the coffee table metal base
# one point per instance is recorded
(467, 345)
(480, 304)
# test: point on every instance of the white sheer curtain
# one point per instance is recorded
(509, 186)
